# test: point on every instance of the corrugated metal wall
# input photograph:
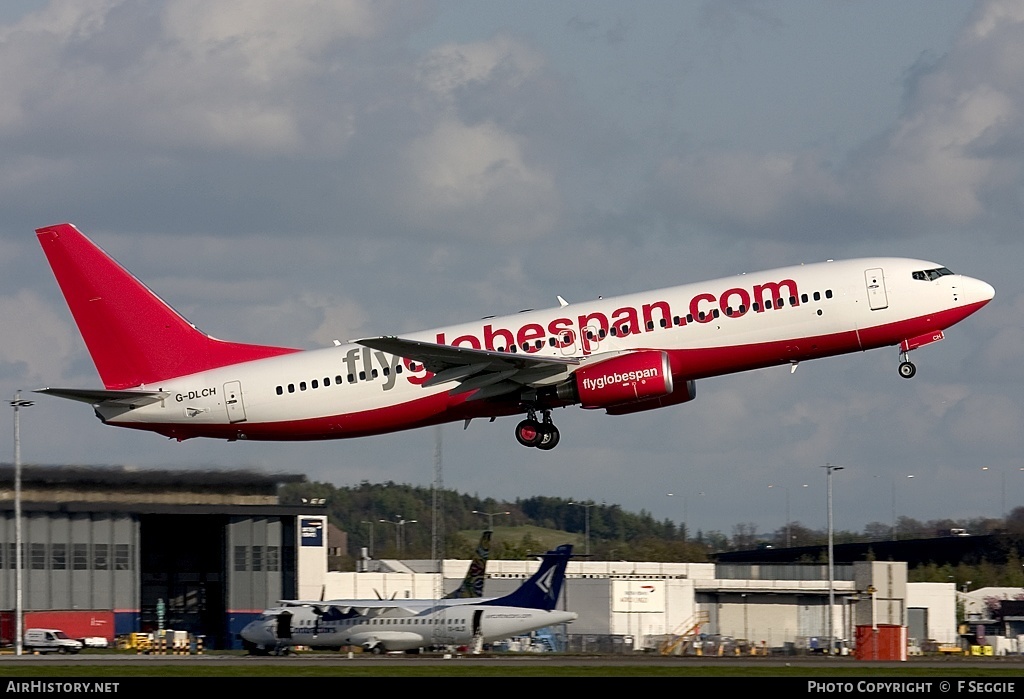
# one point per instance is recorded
(72, 561)
(255, 554)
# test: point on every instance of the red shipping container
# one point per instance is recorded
(883, 642)
(7, 630)
(75, 623)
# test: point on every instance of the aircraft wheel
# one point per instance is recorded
(550, 438)
(529, 433)
(907, 370)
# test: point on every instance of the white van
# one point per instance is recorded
(50, 641)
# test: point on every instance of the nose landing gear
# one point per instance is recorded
(906, 368)
(533, 433)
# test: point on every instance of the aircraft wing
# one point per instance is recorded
(486, 372)
(127, 399)
(361, 607)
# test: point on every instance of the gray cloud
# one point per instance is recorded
(290, 174)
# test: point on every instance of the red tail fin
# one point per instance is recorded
(133, 336)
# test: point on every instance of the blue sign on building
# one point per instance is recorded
(312, 532)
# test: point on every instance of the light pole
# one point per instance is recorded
(399, 525)
(746, 632)
(829, 468)
(786, 490)
(895, 527)
(490, 517)
(371, 535)
(1002, 490)
(19, 563)
(1002, 501)
(672, 495)
(586, 506)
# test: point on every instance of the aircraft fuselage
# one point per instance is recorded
(750, 321)
(448, 625)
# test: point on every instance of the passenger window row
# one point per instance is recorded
(360, 620)
(337, 380)
(622, 330)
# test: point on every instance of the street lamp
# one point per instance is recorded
(371, 535)
(1002, 490)
(19, 563)
(586, 506)
(672, 495)
(829, 468)
(786, 490)
(490, 517)
(895, 527)
(399, 526)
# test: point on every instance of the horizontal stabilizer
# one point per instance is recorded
(95, 396)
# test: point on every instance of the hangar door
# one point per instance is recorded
(917, 623)
(182, 566)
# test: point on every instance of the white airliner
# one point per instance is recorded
(623, 355)
(397, 625)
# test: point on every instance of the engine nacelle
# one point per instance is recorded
(624, 380)
(675, 398)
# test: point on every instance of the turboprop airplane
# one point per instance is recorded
(625, 354)
(308, 614)
(401, 627)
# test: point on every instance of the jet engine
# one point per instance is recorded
(624, 383)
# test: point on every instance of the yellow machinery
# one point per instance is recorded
(676, 645)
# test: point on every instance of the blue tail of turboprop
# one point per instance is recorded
(542, 589)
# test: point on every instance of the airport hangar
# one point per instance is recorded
(121, 550)
(110, 548)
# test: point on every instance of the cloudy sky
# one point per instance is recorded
(290, 173)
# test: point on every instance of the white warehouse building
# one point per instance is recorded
(641, 605)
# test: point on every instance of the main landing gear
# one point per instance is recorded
(532, 433)
(906, 368)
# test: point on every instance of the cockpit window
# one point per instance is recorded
(928, 275)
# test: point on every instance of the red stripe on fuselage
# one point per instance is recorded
(420, 412)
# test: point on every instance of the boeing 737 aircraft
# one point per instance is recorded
(622, 355)
(399, 625)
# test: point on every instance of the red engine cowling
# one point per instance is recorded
(675, 398)
(624, 380)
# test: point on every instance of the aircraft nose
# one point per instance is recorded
(978, 291)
